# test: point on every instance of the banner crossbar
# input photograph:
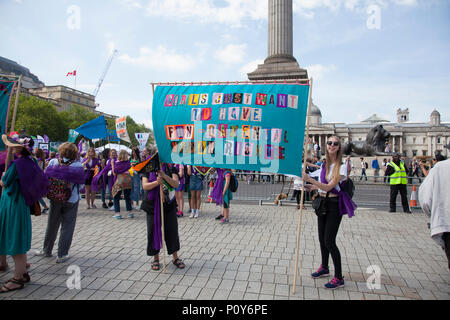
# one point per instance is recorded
(9, 77)
(254, 82)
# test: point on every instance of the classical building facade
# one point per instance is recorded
(61, 97)
(12, 68)
(409, 138)
(65, 97)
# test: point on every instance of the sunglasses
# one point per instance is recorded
(331, 143)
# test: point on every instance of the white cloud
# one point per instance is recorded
(317, 71)
(250, 67)
(131, 4)
(234, 13)
(307, 8)
(409, 3)
(161, 59)
(231, 54)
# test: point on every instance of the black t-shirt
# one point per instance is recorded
(169, 170)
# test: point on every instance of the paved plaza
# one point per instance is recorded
(251, 258)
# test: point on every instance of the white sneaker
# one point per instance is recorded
(192, 214)
(111, 209)
(196, 214)
(62, 259)
(138, 208)
(41, 253)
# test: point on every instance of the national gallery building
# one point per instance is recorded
(409, 138)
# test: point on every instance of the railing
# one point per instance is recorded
(265, 187)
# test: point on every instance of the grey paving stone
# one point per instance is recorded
(251, 258)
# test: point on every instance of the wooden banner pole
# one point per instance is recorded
(161, 193)
(303, 188)
(13, 122)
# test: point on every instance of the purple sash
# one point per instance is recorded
(154, 195)
(88, 171)
(33, 182)
(104, 176)
(346, 204)
(121, 166)
(69, 173)
(217, 192)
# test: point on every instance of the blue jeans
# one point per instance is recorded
(126, 194)
(104, 192)
(136, 191)
(42, 202)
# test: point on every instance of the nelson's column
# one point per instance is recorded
(280, 63)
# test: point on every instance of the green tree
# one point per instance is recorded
(39, 117)
(76, 116)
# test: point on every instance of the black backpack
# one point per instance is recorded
(348, 187)
(233, 182)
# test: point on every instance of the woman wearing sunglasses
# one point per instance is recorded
(338, 203)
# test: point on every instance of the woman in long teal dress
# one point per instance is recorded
(23, 184)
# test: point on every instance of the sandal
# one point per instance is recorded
(179, 263)
(155, 265)
(26, 278)
(20, 283)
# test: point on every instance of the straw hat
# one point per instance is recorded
(16, 141)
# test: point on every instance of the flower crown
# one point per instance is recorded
(24, 141)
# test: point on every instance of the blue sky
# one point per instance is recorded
(357, 70)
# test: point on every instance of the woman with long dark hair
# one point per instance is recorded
(337, 203)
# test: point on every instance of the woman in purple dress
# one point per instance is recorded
(89, 165)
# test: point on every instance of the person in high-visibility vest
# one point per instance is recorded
(398, 174)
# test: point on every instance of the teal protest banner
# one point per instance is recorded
(72, 135)
(258, 127)
(6, 90)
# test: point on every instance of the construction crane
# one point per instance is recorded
(108, 65)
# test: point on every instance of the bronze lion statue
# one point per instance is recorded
(374, 145)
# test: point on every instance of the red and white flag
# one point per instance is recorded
(74, 73)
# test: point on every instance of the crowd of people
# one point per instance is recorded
(64, 177)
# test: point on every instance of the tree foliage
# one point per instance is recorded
(39, 117)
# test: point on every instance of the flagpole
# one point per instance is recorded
(13, 122)
(161, 192)
(303, 187)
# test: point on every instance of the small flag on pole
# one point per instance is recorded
(149, 165)
(74, 73)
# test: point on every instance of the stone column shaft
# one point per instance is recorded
(280, 28)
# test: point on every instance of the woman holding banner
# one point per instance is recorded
(337, 203)
(151, 204)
